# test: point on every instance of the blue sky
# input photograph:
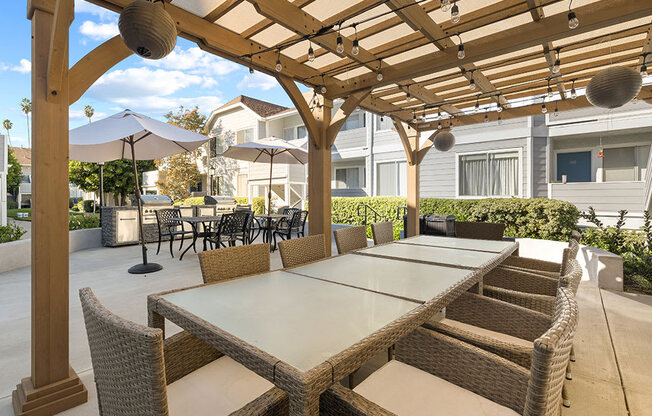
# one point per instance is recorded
(186, 77)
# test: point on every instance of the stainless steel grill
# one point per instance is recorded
(151, 204)
(223, 204)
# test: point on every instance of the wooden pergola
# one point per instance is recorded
(407, 66)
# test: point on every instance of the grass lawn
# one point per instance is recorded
(13, 213)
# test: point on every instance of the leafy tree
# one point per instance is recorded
(179, 172)
(118, 176)
(26, 108)
(89, 112)
(8, 125)
(15, 174)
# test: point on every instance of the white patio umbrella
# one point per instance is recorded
(129, 135)
(269, 150)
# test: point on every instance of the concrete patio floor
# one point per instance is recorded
(611, 376)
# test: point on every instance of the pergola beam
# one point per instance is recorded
(410, 140)
(594, 16)
(57, 59)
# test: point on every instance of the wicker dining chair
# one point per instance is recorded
(350, 238)
(168, 228)
(302, 250)
(231, 262)
(436, 371)
(479, 230)
(382, 232)
(138, 373)
(546, 268)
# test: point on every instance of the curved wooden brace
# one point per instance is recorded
(411, 153)
(89, 68)
(425, 146)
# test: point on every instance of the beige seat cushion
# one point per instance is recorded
(487, 333)
(218, 388)
(408, 391)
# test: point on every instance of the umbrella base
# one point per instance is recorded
(145, 268)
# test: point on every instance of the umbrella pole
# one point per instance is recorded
(144, 267)
(269, 191)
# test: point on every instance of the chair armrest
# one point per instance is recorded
(184, 353)
(541, 303)
(521, 281)
(339, 400)
(274, 402)
(467, 366)
(500, 316)
(533, 264)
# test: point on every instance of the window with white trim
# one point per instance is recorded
(625, 163)
(354, 121)
(384, 123)
(349, 178)
(391, 178)
(245, 135)
(295, 132)
(489, 174)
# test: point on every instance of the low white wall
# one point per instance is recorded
(601, 267)
(17, 254)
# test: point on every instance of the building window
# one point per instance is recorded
(355, 121)
(391, 179)
(245, 135)
(295, 132)
(384, 124)
(625, 163)
(242, 185)
(349, 178)
(302, 132)
(489, 174)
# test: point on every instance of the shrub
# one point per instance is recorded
(258, 202)
(12, 204)
(72, 202)
(10, 232)
(195, 200)
(83, 221)
(535, 218)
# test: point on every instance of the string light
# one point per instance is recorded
(573, 21)
(414, 117)
(472, 82)
(439, 125)
(550, 93)
(423, 115)
(573, 92)
(557, 66)
(355, 50)
(460, 49)
(379, 74)
(486, 118)
(544, 110)
(382, 117)
(251, 70)
(455, 13)
(500, 119)
(445, 5)
(477, 103)
(556, 110)
(500, 108)
(251, 67)
(644, 66)
(311, 53)
(279, 67)
(323, 85)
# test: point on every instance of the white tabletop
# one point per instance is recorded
(429, 254)
(459, 243)
(299, 320)
(415, 281)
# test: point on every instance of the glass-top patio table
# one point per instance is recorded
(306, 328)
(194, 222)
(489, 246)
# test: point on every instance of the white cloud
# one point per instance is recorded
(141, 82)
(79, 115)
(24, 67)
(82, 6)
(99, 31)
(257, 80)
(195, 61)
(157, 104)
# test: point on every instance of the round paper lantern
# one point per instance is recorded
(613, 87)
(444, 141)
(147, 29)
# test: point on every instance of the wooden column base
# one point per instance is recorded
(50, 399)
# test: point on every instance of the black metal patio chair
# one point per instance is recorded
(286, 228)
(233, 227)
(169, 228)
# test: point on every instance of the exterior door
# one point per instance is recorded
(576, 166)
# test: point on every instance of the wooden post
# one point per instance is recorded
(410, 140)
(53, 385)
(319, 175)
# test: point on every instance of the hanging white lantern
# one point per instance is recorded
(444, 141)
(147, 29)
(613, 87)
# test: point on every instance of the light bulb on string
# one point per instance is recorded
(445, 5)
(556, 110)
(643, 71)
(500, 108)
(311, 53)
(460, 49)
(355, 50)
(472, 84)
(500, 119)
(251, 67)
(573, 21)
(323, 85)
(477, 103)
(379, 74)
(340, 45)
(556, 67)
(279, 66)
(544, 110)
(573, 91)
(455, 14)
(486, 118)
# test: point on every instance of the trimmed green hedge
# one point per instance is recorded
(258, 202)
(535, 218)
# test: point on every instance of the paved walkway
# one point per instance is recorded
(612, 375)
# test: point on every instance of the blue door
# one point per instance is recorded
(576, 166)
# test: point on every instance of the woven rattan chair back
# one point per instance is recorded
(383, 232)
(570, 253)
(576, 235)
(127, 362)
(350, 238)
(231, 262)
(573, 276)
(164, 219)
(550, 359)
(302, 250)
(479, 230)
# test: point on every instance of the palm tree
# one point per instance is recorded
(88, 112)
(26, 108)
(7, 124)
